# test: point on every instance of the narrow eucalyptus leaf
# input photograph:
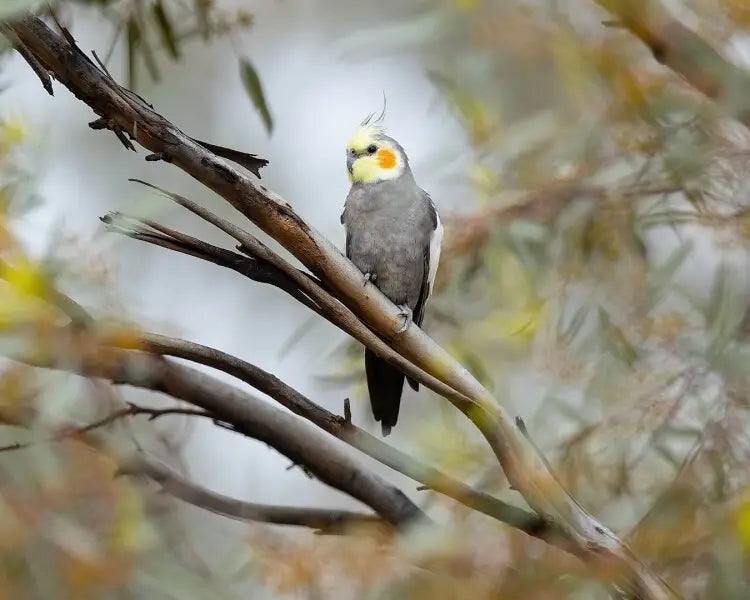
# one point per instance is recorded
(166, 30)
(254, 89)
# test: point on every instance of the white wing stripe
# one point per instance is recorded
(436, 242)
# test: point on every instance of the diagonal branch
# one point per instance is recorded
(346, 431)
(258, 270)
(247, 415)
(122, 111)
(324, 520)
(328, 306)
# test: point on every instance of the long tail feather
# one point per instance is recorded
(385, 384)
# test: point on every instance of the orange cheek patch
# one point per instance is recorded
(386, 159)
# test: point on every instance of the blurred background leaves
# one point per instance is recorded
(595, 277)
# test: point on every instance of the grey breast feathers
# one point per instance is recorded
(389, 226)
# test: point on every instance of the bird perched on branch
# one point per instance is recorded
(393, 235)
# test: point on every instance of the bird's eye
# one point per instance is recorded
(371, 149)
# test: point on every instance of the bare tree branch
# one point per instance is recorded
(122, 111)
(339, 427)
(165, 237)
(322, 519)
(129, 411)
(356, 437)
(30, 59)
(247, 414)
(328, 306)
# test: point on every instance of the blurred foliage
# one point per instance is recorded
(593, 286)
(581, 287)
(69, 527)
(11, 8)
(154, 32)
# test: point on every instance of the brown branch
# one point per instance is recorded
(30, 59)
(258, 270)
(356, 437)
(685, 52)
(339, 427)
(248, 415)
(122, 111)
(322, 519)
(328, 306)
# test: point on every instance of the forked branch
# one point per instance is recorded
(288, 434)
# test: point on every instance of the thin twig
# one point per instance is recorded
(247, 415)
(129, 411)
(171, 239)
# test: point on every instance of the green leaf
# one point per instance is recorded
(164, 23)
(10, 8)
(663, 275)
(254, 89)
(567, 334)
(202, 14)
(616, 340)
(134, 40)
(718, 298)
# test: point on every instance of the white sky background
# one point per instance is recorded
(317, 98)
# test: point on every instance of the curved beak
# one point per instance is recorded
(350, 158)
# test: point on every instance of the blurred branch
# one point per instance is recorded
(124, 112)
(685, 52)
(470, 231)
(323, 519)
(129, 411)
(343, 429)
(246, 414)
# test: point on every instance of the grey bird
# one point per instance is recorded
(393, 235)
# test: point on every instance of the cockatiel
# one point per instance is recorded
(393, 235)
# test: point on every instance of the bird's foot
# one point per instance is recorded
(405, 312)
(369, 278)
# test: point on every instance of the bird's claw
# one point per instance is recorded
(369, 278)
(406, 313)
